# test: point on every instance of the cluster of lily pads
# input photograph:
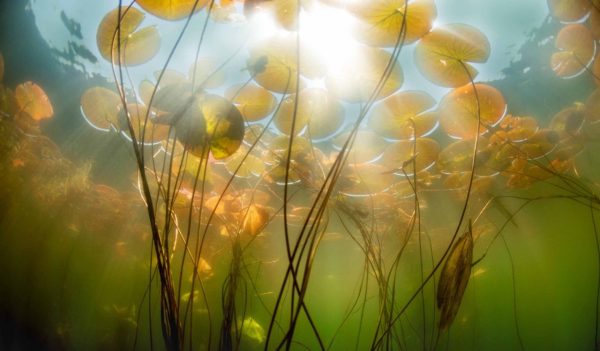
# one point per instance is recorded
(222, 152)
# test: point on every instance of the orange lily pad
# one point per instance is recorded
(171, 10)
(255, 219)
(569, 121)
(316, 108)
(100, 107)
(577, 47)
(142, 127)
(284, 119)
(250, 166)
(458, 156)
(462, 107)
(540, 144)
(404, 115)
(279, 73)
(443, 55)
(367, 146)
(516, 128)
(137, 45)
(404, 156)
(364, 179)
(569, 10)
(253, 101)
(382, 20)
(33, 100)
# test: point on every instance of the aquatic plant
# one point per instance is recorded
(277, 178)
(255, 165)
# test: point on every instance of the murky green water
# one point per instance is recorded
(267, 241)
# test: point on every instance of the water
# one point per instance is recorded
(81, 269)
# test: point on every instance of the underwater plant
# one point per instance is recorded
(216, 168)
(300, 191)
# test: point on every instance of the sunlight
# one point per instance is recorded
(327, 31)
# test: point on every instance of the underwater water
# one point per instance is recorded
(300, 174)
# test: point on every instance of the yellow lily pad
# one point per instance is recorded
(443, 55)
(100, 107)
(171, 10)
(137, 45)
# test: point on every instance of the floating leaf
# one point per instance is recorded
(279, 73)
(367, 146)
(169, 77)
(206, 73)
(495, 158)
(462, 107)
(443, 54)
(568, 148)
(300, 146)
(33, 100)
(326, 113)
(406, 155)
(301, 160)
(540, 144)
(152, 133)
(224, 125)
(382, 20)
(356, 80)
(137, 46)
(458, 156)
(172, 9)
(569, 10)
(251, 165)
(254, 131)
(190, 126)
(285, 119)
(577, 50)
(317, 108)
(515, 129)
(523, 173)
(174, 98)
(481, 184)
(568, 121)
(145, 90)
(403, 116)
(454, 278)
(255, 219)
(253, 101)
(100, 107)
(364, 179)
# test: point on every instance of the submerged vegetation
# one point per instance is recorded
(291, 197)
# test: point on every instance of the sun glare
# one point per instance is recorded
(325, 33)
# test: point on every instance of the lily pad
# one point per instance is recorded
(443, 55)
(137, 45)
